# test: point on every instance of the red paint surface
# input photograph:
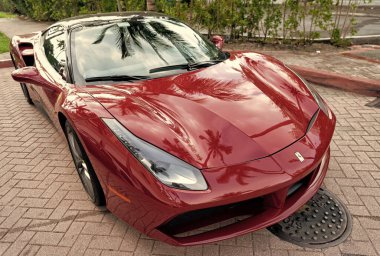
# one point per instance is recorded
(240, 121)
(250, 106)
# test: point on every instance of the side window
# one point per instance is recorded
(54, 47)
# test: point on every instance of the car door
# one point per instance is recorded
(51, 62)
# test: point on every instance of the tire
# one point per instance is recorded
(23, 87)
(26, 93)
(84, 168)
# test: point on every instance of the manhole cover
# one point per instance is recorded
(322, 222)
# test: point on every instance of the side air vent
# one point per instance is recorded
(27, 53)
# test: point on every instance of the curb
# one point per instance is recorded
(365, 86)
(356, 49)
(6, 63)
(354, 56)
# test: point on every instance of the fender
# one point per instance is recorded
(22, 49)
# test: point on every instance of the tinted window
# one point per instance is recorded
(135, 46)
(54, 46)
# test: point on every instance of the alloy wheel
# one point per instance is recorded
(80, 163)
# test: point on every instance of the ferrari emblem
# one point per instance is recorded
(299, 156)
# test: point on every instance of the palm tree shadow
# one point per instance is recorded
(199, 88)
(134, 33)
(121, 39)
(215, 148)
(176, 39)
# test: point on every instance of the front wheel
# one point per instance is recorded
(84, 168)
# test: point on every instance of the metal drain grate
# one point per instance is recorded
(322, 222)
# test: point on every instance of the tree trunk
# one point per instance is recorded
(119, 6)
(284, 20)
(350, 5)
(191, 7)
(178, 7)
(75, 7)
(150, 6)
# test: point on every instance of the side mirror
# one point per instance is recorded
(218, 41)
(28, 75)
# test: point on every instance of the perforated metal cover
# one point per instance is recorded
(322, 222)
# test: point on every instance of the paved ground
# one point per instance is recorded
(45, 211)
(4, 56)
(17, 26)
(327, 58)
(374, 54)
(333, 62)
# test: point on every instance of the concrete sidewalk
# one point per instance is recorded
(4, 56)
(333, 67)
(330, 61)
(18, 26)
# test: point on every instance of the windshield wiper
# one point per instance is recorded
(204, 63)
(188, 66)
(167, 68)
(115, 78)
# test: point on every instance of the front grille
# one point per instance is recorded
(204, 219)
(303, 183)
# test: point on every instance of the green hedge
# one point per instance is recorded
(56, 9)
(268, 20)
(261, 20)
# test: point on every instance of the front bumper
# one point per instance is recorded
(258, 189)
(258, 212)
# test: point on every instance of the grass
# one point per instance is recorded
(4, 43)
(6, 15)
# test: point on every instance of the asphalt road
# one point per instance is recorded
(373, 2)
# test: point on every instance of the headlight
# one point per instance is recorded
(170, 170)
(315, 94)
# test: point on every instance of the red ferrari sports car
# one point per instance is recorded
(185, 142)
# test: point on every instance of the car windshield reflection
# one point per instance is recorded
(138, 47)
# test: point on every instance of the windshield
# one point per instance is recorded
(143, 47)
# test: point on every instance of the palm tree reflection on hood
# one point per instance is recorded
(177, 146)
(242, 173)
(198, 89)
(215, 148)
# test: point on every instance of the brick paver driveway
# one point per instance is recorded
(45, 211)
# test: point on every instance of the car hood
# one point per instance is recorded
(247, 107)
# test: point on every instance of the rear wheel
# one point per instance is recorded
(23, 87)
(26, 93)
(84, 168)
